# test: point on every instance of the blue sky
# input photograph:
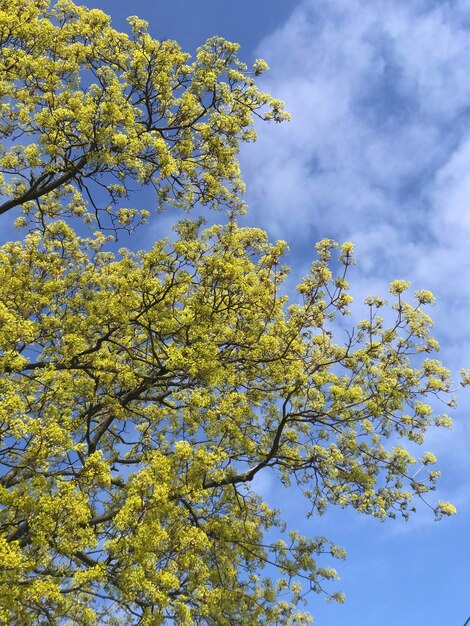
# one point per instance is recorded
(378, 152)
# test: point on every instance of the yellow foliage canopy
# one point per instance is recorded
(142, 393)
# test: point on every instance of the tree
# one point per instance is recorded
(141, 393)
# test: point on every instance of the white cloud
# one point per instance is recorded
(378, 96)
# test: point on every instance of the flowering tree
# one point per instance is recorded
(141, 393)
